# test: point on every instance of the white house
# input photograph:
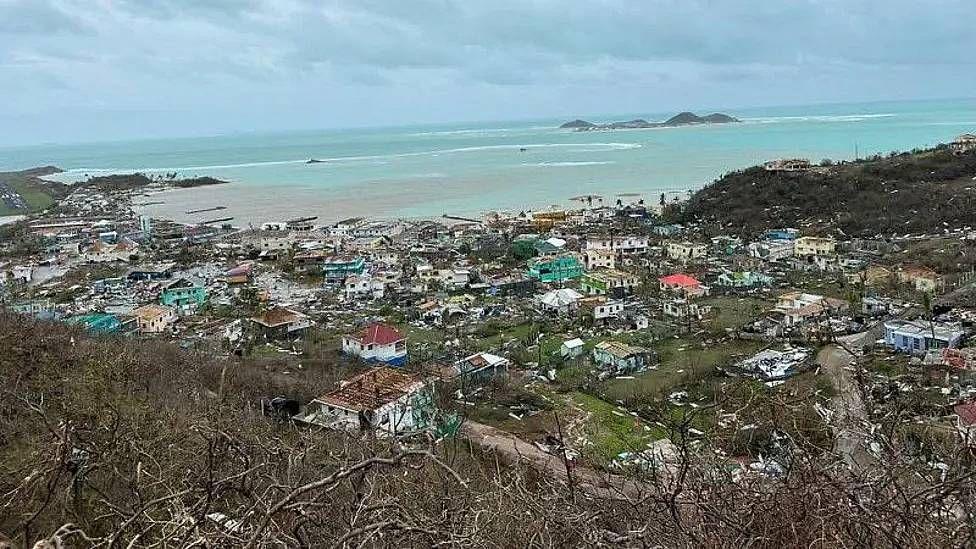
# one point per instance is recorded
(387, 400)
(572, 348)
(602, 308)
(481, 365)
(22, 273)
(599, 259)
(771, 250)
(563, 301)
(795, 308)
(455, 278)
(377, 343)
(101, 252)
(680, 307)
(686, 251)
(357, 287)
(623, 245)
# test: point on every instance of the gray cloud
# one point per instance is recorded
(435, 59)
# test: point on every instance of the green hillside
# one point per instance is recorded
(26, 192)
(917, 192)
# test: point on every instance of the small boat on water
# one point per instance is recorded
(314, 161)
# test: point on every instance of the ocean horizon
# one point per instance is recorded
(467, 169)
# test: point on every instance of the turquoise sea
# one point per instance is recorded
(475, 167)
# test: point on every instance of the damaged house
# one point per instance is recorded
(280, 323)
(772, 364)
(616, 358)
(387, 400)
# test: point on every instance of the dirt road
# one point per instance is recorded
(850, 419)
(513, 450)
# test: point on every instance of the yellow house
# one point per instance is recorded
(545, 220)
(814, 245)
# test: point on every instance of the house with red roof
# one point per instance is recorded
(377, 343)
(682, 284)
(966, 422)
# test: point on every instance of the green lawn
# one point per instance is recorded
(732, 312)
(610, 430)
(33, 194)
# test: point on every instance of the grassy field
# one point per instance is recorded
(732, 312)
(681, 361)
(610, 430)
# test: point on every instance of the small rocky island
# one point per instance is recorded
(681, 119)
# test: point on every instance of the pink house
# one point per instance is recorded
(683, 284)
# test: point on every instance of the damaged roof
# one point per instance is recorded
(373, 389)
(278, 316)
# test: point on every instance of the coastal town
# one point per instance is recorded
(487, 275)
(612, 334)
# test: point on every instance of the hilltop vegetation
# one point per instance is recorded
(917, 192)
(132, 181)
(124, 442)
(25, 191)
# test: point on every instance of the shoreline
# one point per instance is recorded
(158, 207)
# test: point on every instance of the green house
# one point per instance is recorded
(337, 269)
(555, 269)
(743, 279)
(182, 293)
(103, 323)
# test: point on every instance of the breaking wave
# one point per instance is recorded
(478, 131)
(817, 118)
(326, 161)
(574, 163)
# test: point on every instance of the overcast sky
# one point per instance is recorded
(80, 70)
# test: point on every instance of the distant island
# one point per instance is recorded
(681, 119)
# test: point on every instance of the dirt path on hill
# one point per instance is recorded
(513, 450)
(850, 420)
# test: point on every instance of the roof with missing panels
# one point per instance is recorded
(278, 316)
(966, 413)
(373, 389)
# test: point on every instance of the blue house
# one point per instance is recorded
(918, 337)
(781, 234)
